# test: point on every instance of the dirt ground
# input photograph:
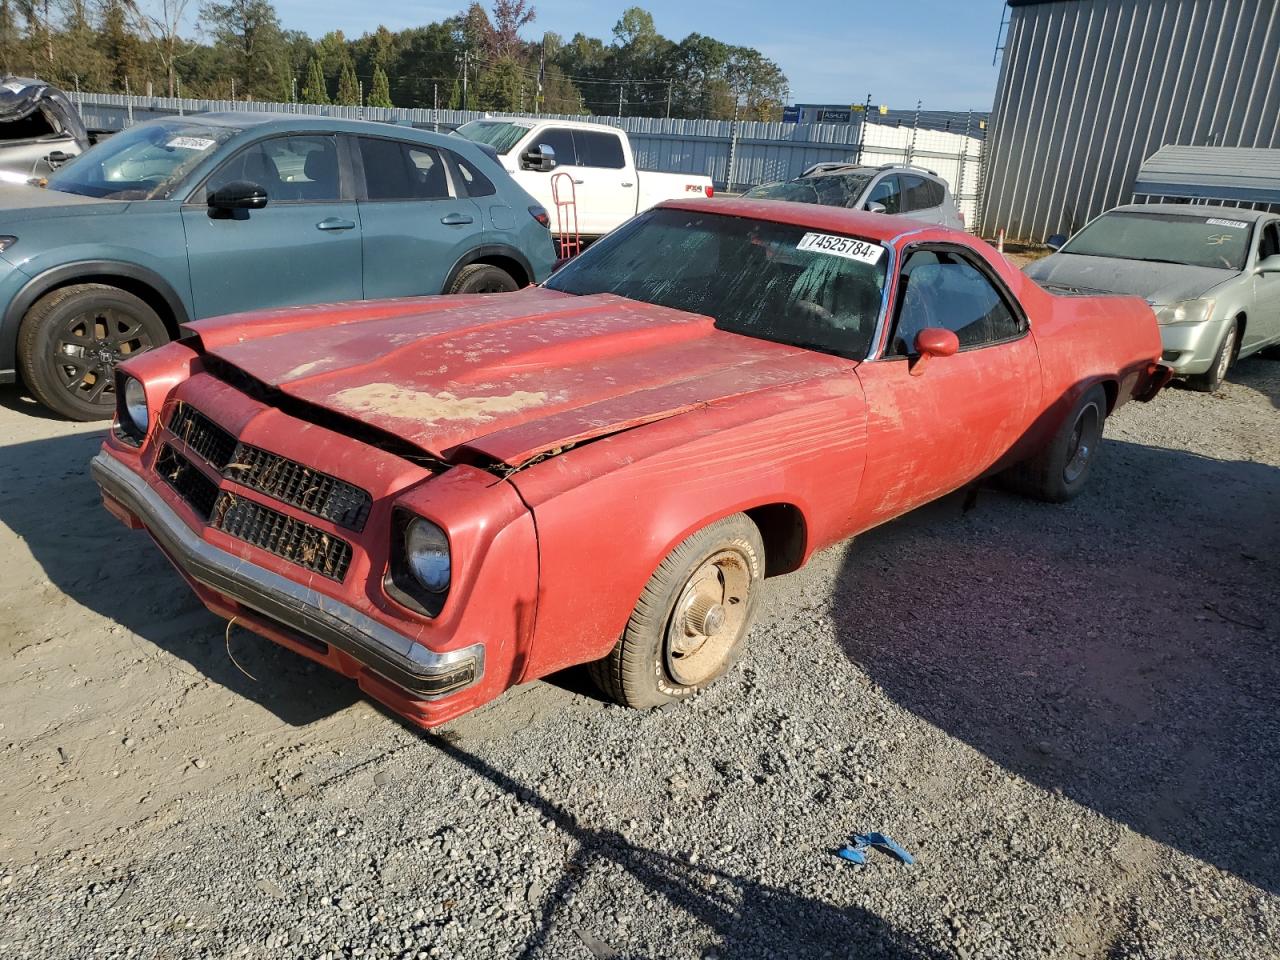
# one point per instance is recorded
(1097, 682)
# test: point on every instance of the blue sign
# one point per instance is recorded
(790, 114)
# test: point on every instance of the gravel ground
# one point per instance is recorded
(1069, 714)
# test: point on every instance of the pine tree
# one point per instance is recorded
(348, 86)
(380, 93)
(314, 91)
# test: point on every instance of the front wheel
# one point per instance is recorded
(71, 340)
(688, 626)
(483, 278)
(1061, 469)
(1211, 379)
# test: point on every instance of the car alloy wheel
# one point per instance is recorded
(1085, 433)
(88, 346)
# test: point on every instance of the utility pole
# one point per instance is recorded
(465, 54)
(669, 82)
(619, 101)
(293, 90)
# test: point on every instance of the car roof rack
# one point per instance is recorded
(907, 166)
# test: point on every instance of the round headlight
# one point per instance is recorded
(135, 404)
(426, 550)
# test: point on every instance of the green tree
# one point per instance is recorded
(348, 86)
(314, 90)
(380, 93)
(120, 46)
(248, 34)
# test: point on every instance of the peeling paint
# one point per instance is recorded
(405, 403)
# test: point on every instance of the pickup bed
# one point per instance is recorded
(609, 189)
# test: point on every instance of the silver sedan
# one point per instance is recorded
(1210, 273)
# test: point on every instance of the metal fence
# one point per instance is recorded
(736, 154)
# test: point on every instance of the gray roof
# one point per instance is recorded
(1248, 174)
(1195, 210)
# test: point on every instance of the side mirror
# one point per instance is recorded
(539, 158)
(933, 342)
(238, 195)
(1056, 241)
(58, 158)
(874, 207)
(1270, 265)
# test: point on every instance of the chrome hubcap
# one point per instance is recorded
(708, 618)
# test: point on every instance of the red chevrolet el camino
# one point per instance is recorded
(447, 496)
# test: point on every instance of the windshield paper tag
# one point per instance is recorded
(845, 247)
(190, 143)
(1238, 224)
(13, 86)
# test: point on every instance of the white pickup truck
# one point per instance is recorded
(609, 189)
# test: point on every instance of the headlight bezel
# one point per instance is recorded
(403, 582)
(1186, 312)
(129, 429)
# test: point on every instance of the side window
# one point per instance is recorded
(475, 182)
(600, 150)
(1269, 245)
(288, 168)
(400, 171)
(941, 289)
(561, 141)
(921, 193)
(888, 192)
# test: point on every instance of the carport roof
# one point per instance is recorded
(1248, 174)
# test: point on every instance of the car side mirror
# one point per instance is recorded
(237, 195)
(933, 342)
(57, 158)
(1056, 241)
(874, 207)
(1270, 264)
(540, 158)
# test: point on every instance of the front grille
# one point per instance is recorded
(202, 435)
(310, 490)
(295, 541)
(188, 480)
(286, 480)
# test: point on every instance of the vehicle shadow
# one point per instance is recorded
(746, 915)
(49, 500)
(1122, 649)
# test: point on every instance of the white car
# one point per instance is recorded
(599, 160)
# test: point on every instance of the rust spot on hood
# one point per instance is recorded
(405, 403)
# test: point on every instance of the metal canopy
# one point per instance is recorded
(1248, 174)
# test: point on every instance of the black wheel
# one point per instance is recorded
(483, 278)
(1211, 380)
(688, 626)
(1061, 469)
(71, 340)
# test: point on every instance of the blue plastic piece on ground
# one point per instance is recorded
(882, 841)
(854, 855)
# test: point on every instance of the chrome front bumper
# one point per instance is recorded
(424, 673)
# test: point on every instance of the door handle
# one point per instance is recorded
(577, 183)
(456, 219)
(335, 223)
(628, 184)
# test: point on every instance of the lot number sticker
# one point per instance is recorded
(845, 247)
(190, 143)
(1238, 224)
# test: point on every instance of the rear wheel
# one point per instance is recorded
(688, 626)
(1211, 379)
(71, 340)
(483, 278)
(1061, 469)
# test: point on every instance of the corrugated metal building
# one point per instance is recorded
(1089, 89)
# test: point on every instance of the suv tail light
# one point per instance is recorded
(540, 214)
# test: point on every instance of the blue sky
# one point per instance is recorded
(899, 51)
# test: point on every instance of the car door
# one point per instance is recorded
(887, 192)
(1263, 324)
(415, 225)
(937, 423)
(608, 190)
(302, 247)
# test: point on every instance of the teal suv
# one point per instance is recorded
(189, 217)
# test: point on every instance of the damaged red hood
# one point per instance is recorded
(508, 376)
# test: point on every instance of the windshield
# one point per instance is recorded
(497, 134)
(147, 162)
(766, 280)
(1198, 241)
(832, 190)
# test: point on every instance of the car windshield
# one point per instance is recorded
(1198, 241)
(147, 162)
(831, 190)
(766, 280)
(497, 134)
